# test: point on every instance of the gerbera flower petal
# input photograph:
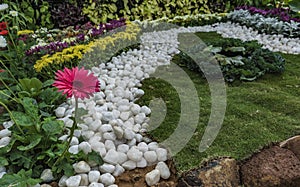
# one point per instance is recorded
(79, 83)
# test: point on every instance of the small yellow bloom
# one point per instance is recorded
(23, 32)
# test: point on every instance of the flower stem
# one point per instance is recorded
(71, 132)
(12, 117)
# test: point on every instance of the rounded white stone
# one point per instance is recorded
(162, 154)
(112, 157)
(163, 169)
(47, 175)
(85, 147)
(60, 112)
(95, 125)
(129, 165)
(109, 144)
(107, 168)
(152, 177)
(4, 133)
(134, 154)
(84, 180)
(109, 136)
(153, 146)
(62, 181)
(118, 170)
(107, 179)
(81, 167)
(4, 141)
(73, 181)
(118, 131)
(74, 149)
(129, 134)
(123, 148)
(94, 176)
(150, 156)
(142, 146)
(142, 163)
(96, 184)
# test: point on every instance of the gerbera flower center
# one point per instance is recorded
(77, 84)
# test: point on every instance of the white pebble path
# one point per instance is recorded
(114, 124)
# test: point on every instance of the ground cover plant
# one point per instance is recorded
(258, 112)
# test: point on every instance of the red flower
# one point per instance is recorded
(3, 32)
(3, 25)
(77, 82)
(2, 70)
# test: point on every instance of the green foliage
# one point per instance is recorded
(34, 146)
(32, 13)
(239, 60)
(295, 6)
(20, 179)
(102, 11)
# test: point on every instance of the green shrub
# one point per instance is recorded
(245, 61)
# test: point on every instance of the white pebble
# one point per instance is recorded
(95, 184)
(134, 154)
(107, 179)
(94, 176)
(107, 168)
(162, 154)
(60, 112)
(84, 180)
(4, 133)
(163, 169)
(81, 167)
(74, 149)
(85, 147)
(152, 177)
(118, 171)
(142, 163)
(150, 156)
(123, 148)
(73, 181)
(129, 165)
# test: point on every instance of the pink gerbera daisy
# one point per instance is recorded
(76, 82)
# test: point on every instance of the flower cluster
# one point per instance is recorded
(3, 6)
(268, 25)
(281, 13)
(76, 52)
(80, 37)
(3, 28)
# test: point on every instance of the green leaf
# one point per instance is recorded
(235, 49)
(32, 85)
(3, 162)
(35, 140)
(31, 108)
(52, 126)
(295, 5)
(22, 119)
(95, 157)
(21, 179)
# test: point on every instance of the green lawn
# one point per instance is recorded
(258, 113)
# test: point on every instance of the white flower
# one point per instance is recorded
(3, 6)
(2, 41)
(13, 13)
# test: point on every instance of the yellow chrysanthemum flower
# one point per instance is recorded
(23, 32)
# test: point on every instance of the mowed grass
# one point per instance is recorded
(258, 113)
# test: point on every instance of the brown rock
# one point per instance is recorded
(272, 167)
(224, 172)
(292, 144)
